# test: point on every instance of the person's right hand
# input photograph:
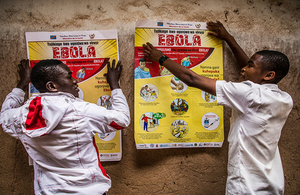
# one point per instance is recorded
(113, 74)
(24, 72)
(151, 52)
(218, 30)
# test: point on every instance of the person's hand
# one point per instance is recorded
(24, 72)
(113, 74)
(151, 52)
(218, 30)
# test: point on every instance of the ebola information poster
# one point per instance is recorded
(86, 53)
(168, 113)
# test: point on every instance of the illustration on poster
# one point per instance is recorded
(179, 128)
(80, 74)
(104, 101)
(210, 121)
(177, 85)
(107, 136)
(163, 71)
(179, 106)
(186, 61)
(148, 122)
(149, 92)
(142, 71)
(208, 97)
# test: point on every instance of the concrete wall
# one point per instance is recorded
(256, 24)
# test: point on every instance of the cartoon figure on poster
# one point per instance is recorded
(104, 101)
(179, 128)
(179, 106)
(177, 85)
(149, 92)
(186, 61)
(142, 72)
(107, 136)
(148, 122)
(208, 97)
(210, 121)
(80, 74)
(163, 71)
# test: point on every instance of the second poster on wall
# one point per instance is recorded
(168, 113)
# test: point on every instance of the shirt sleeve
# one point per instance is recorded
(104, 120)
(10, 112)
(234, 95)
(13, 100)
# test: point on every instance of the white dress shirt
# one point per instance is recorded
(259, 113)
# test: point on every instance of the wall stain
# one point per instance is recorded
(81, 17)
(250, 2)
(236, 11)
(226, 15)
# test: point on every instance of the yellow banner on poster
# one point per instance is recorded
(168, 113)
(86, 53)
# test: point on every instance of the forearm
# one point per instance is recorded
(22, 85)
(190, 78)
(239, 54)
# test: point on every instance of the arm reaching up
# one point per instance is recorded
(219, 31)
(186, 75)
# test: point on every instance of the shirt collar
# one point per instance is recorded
(57, 94)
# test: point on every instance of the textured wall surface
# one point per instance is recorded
(256, 25)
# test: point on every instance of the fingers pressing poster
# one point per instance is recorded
(168, 113)
(86, 53)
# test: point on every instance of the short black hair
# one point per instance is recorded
(141, 60)
(43, 72)
(275, 61)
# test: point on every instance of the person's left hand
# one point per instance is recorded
(24, 72)
(218, 30)
(113, 74)
(151, 52)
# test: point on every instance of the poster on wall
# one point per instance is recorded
(86, 53)
(167, 112)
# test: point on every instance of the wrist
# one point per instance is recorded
(115, 86)
(162, 59)
(22, 86)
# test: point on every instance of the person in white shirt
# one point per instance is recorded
(57, 129)
(260, 110)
